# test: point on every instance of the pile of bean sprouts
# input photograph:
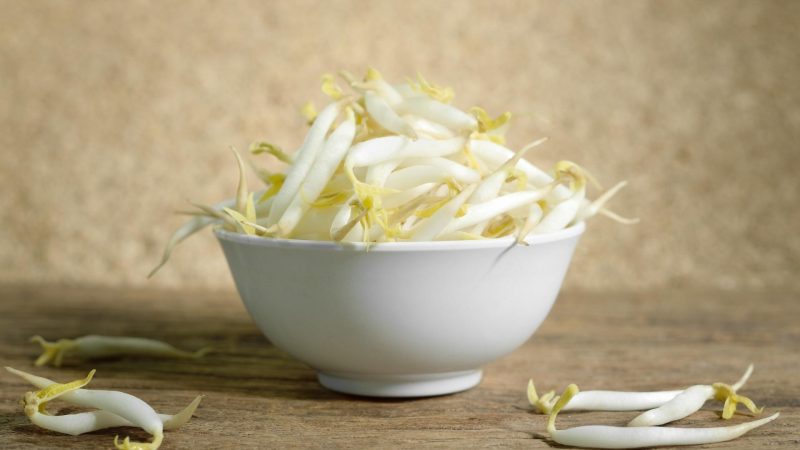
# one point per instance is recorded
(398, 162)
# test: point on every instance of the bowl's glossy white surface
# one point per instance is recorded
(400, 319)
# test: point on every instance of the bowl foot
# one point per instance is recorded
(423, 385)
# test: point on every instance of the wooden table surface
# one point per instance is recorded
(258, 397)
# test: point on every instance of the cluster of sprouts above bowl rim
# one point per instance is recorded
(398, 163)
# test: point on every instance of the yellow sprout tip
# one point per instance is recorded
(373, 74)
(35, 401)
(127, 444)
(309, 111)
(569, 392)
(533, 396)
(485, 121)
(330, 88)
(544, 403)
(438, 93)
(727, 393)
(52, 351)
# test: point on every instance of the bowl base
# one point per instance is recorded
(422, 385)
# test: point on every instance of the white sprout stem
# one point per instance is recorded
(377, 174)
(94, 346)
(437, 112)
(600, 400)
(316, 223)
(619, 401)
(427, 129)
(691, 400)
(684, 404)
(338, 182)
(400, 198)
(382, 149)
(493, 208)
(376, 233)
(562, 214)
(412, 176)
(384, 89)
(387, 91)
(189, 228)
(449, 167)
(407, 91)
(746, 376)
(342, 216)
(79, 423)
(521, 212)
(430, 228)
(319, 174)
(241, 188)
(616, 217)
(487, 190)
(496, 155)
(490, 187)
(603, 436)
(535, 214)
(590, 209)
(303, 160)
(380, 110)
(404, 212)
(356, 234)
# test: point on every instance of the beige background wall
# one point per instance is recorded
(113, 113)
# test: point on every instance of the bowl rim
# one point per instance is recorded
(258, 241)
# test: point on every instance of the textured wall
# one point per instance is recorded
(113, 113)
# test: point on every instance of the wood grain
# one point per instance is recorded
(258, 397)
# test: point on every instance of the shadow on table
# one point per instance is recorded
(242, 360)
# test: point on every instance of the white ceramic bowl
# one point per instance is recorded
(399, 319)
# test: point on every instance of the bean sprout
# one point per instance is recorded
(380, 110)
(89, 421)
(303, 159)
(614, 400)
(430, 229)
(437, 112)
(132, 409)
(601, 400)
(94, 346)
(564, 213)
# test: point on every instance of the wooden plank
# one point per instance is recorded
(258, 397)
